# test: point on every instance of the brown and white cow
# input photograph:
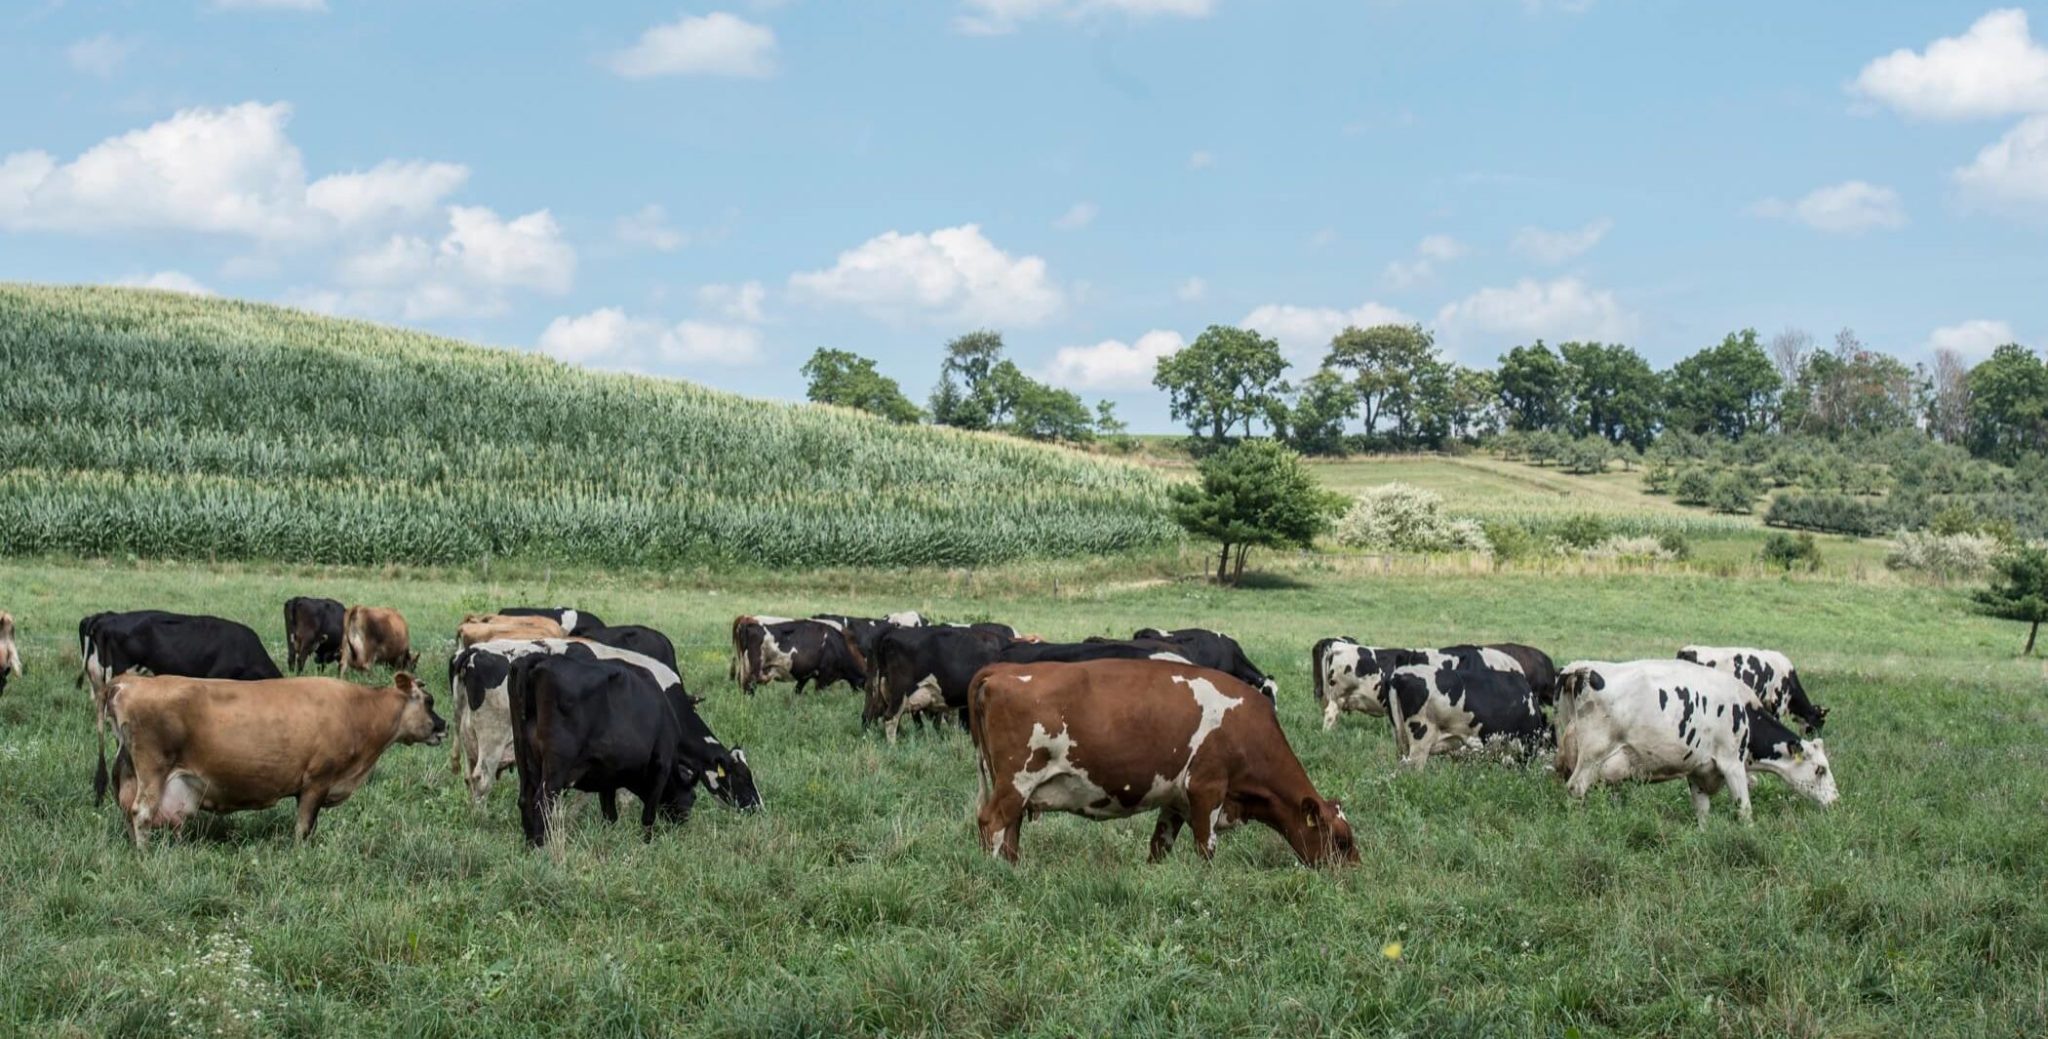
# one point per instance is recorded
(225, 746)
(373, 635)
(492, 627)
(10, 656)
(1108, 739)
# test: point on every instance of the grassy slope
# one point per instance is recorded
(165, 426)
(859, 902)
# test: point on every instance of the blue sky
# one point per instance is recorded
(713, 192)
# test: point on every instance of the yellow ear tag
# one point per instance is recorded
(1798, 756)
(721, 771)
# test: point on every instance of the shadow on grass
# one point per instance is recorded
(1262, 580)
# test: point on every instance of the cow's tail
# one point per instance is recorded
(1315, 661)
(977, 722)
(1570, 684)
(860, 663)
(352, 649)
(735, 669)
(104, 708)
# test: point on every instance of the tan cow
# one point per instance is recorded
(1109, 739)
(494, 627)
(10, 657)
(373, 635)
(225, 746)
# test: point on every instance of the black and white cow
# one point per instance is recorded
(636, 638)
(1766, 672)
(802, 651)
(1215, 651)
(574, 621)
(1351, 677)
(1656, 720)
(928, 670)
(866, 631)
(1462, 698)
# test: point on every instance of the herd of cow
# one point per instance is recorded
(1179, 722)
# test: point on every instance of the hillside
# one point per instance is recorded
(160, 425)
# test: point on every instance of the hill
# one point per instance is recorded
(159, 425)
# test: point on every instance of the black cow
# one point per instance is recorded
(800, 651)
(586, 723)
(927, 670)
(312, 631)
(1536, 665)
(1462, 697)
(574, 621)
(1215, 651)
(637, 638)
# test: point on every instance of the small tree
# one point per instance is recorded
(1695, 486)
(2018, 591)
(1226, 377)
(1732, 492)
(1256, 493)
(850, 380)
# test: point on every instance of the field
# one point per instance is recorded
(858, 902)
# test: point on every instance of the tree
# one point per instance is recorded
(1534, 388)
(1315, 421)
(1253, 494)
(1789, 351)
(2018, 591)
(1473, 394)
(1111, 428)
(962, 397)
(1383, 361)
(1948, 398)
(851, 381)
(1726, 390)
(1614, 392)
(2008, 405)
(1226, 377)
(1043, 412)
(1849, 391)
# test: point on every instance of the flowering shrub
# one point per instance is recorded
(1943, 555)
(1399, 517)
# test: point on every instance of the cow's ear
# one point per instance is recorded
(1310, 811)
(407, 684)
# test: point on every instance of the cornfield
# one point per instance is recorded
(159, 425)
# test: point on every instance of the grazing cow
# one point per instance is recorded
(373, 635)
(225, 746)
(804, 652)
(1655, 720)
(586, 723)
(1109, 739)
(863, 632)
(573, 621)
(636, 638)
(90, 674)
(747, 630)
(495, 627)
(1213, 650)
(171, 644)
(1766, 672)
(927, 670)
(312, 631)
(10, 655)
(478, 680)
(1351, 677)
(1536, 665)
(1465, 697)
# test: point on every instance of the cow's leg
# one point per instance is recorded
(1702, 800)
(531, 821)
(800, 683)
(309, 812)
(1330, 712)
(1416, 754)
(608, 803)
(891, 724)
(1205, 812)
(1171, 819)
(150, 779)
(1737, 777)
(1001, 818)
(1591, 769)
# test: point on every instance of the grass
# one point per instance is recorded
(858, 903)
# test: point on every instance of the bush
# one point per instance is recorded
(1677, 544)
(1733, 492)
(1830, 512)
(1954, 519)
(1399, 517)
(1510, 541)
(1582, 532)
(1791, 551)
(1695, 487)
(1587, 455)
(1946, 556)
(1659, 475)
(1621, 547)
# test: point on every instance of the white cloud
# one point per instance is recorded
(1846, 208)
(169, 281)
(270, 5)
(1972, 338)
(470, 272)
(1303, 332)
(648, 227)
(1435, 249)
(1994, 69)
(1201, 160)
(227, 171)
(995, 17)
(101, 55)
(1112, 364)
(740, 302)
(2011, 172)
(1191, 290)
(1564, 309)
(951, 275)
(609, 338)
(1081, 215)
(716, 44)
(1555, 247)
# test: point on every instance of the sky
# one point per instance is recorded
(713, 192)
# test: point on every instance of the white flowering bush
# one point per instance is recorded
(1623, 547)
(1399, 517)
(1943, 555)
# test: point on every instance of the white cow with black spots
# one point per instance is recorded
(1766, 672)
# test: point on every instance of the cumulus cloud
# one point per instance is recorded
(1191, 290)
(1081, 215)
(2011, 173)
(1994, 69)
(740, 302)
(716, 44)
(471, 271)
(168, 281)
(995, 17)
(610, 338)
(1846, 208)
(1555, 247)
(1563, 309)
(1433, 250)
(953, 275)
(226, 171)
(648, 227)
(1975, 338)
(101, 55)
(1113, 364)
(1303, 332)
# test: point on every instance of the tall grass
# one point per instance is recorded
(161, 425)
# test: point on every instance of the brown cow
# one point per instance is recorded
(480, 627)
(10, 657)
(227, 746)
(373, 635)
(1108, 739)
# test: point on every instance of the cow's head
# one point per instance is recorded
(1325, 835)
(732, 780)
(1804, 767)
(417, 722)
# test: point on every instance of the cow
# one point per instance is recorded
(802, 651)
(10, 655)
(1656, 720)
(230, 746)
(747, 629)
(587, 723)
(492, 628)
(166, 643)
(573, 621)
(478, 680)
(1536, 666)
(1112, 738)
(1351, 677)
(636, 638)
(312, 631)
(1766, 672)
(373, 635)
(1214, 650)
(90, 674)
(1460, 698)
(927, 670)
